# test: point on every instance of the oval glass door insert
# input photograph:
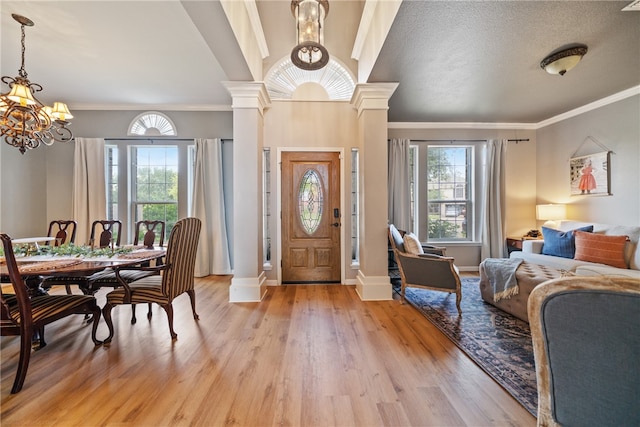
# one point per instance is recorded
(310, 201)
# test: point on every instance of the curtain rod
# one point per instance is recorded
(165, 138)
(464, 140)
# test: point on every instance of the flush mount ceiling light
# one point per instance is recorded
(563, 60)
(25, 122)
(310, 54)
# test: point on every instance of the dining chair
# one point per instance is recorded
(107, 229)
(150, 238)
(63, 230)
(107, 278)
(27, 316)
(177, 277)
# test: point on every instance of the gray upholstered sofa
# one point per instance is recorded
(532, 252)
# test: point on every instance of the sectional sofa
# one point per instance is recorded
(532, 251)
(614, 244)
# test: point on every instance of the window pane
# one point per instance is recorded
(310, 201)
(448, 195)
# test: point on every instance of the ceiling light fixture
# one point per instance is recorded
(25, 122)
(563, 60)
(310, 54)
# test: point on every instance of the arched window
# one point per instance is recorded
(152, 123)
(284, 78)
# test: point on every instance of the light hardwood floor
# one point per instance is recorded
(305, 356)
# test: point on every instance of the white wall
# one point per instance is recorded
(617, 127)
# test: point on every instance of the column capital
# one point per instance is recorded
(248, 95)
(372, 96)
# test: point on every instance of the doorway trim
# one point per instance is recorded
(280, 150)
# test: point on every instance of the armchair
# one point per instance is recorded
(586, 348)
(430, 270)
(177, 277)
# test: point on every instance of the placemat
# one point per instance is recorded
(48, 265)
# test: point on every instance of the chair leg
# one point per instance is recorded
(458, 299)
(41, 337)
(68, 288)
(106, 312)
(149, 313)
(25, 355)
(169, 309)
(96, 319)
(133, 314)
(192, 297)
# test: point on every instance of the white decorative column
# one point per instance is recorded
(371, 100)
(250, 99)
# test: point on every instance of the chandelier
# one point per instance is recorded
(25, 122)
(310, 54)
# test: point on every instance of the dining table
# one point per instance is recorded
(34, 267)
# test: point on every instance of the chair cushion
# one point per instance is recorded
(411, 244)
(148, 289)
(46, 306)
(601, 249)
(107, 277)
(560, 243)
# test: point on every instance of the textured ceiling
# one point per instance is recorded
(454, 61)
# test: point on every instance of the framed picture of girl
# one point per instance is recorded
(591, 175)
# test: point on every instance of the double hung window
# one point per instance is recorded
(442, 191)
(148, 182)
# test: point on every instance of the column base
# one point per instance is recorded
(248, 289)
(373, 288)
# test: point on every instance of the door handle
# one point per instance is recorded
(335, 224)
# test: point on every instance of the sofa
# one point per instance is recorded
(538, 267)
(532, 251)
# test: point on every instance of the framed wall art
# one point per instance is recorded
(591, 175)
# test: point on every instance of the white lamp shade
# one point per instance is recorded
(551, 212)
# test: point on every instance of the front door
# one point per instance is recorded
(310, 217)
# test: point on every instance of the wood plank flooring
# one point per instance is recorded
(311, 355)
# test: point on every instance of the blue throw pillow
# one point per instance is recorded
(561, 243)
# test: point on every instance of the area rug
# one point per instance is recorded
(496, 341)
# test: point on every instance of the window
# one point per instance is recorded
(266, 208)
(442, 191)
(355, 207)
(154, 184)
(146, 181)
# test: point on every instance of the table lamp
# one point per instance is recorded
(551, 213)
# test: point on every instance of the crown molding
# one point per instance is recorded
(591, 106)
(528, 126)
(459, 125)
(149, 107)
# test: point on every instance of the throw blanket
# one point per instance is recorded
(501, 273)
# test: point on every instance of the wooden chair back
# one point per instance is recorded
(151, 235)
(106, 229)
(63, 230)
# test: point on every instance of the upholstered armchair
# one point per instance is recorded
(427, 268)
(586, 346)
(176, 278)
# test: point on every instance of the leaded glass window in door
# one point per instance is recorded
(310, 201)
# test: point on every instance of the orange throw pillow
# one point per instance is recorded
(601, 248)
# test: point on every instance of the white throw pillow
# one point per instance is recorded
(411, 244)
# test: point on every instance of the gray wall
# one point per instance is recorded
(617, 127)
(35, 188)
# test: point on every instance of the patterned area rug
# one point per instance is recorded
(496, 341)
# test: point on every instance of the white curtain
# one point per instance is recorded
(208, 205)
(493, 200)
(89, 186)
(398, 184)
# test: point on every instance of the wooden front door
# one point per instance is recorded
(310, 217)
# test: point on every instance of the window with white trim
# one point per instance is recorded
(442, 183)
(147, 181)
